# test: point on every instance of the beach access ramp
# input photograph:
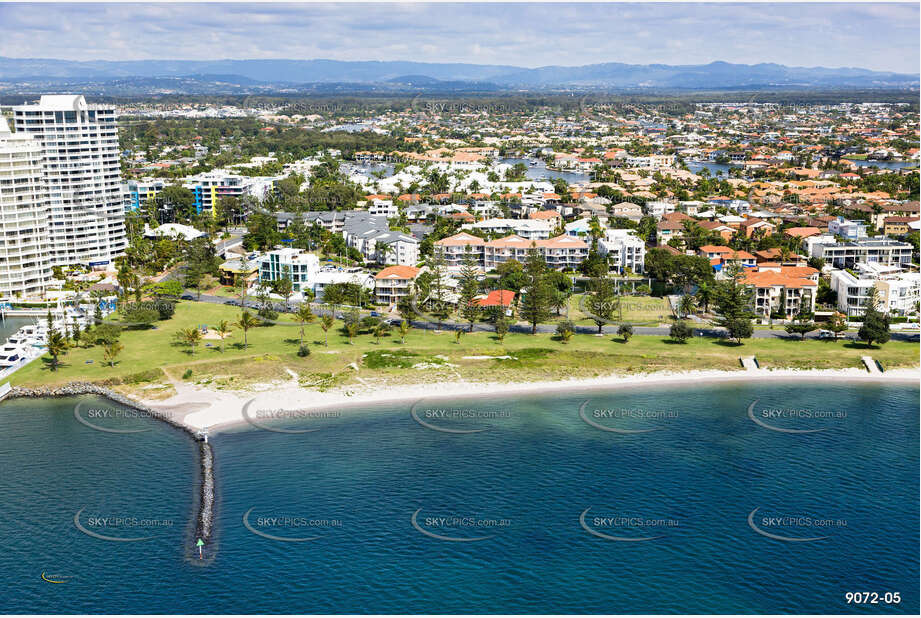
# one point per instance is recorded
(872, 365)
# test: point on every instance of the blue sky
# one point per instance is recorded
(881, 36)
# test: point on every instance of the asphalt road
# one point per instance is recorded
(707, 331)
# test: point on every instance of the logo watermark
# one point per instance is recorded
(57, 578)
(595, 414)
(258, 418)
(119, 522)
(456, 523)
(622, 523)
(772, 527)
(767, 417)
(91, 414)
(260, 524)
(434, 416)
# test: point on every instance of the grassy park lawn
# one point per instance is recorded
(637, 310)
(427, 356)
(224, 291)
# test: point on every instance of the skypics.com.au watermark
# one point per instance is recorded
(116, 419)
(625, 420)
(455, 528)
(793, 528)
(634, 528)
(120, 528)
(288, 528)
(457, 419)
(795, 420)
(269, 419)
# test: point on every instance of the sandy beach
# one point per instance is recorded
(218, 409)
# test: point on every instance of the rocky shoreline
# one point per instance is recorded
(205, 517)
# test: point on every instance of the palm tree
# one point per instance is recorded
(57, 345)
(190, 336)
(705, 295)
(326, 323)
(303, 316)
(223, 329)
(110, 352)
(784, 255)
(687, 305)
(246, 322)
(380, 330)
(404, 330)
(351, 329)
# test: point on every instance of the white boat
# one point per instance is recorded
(11, 355)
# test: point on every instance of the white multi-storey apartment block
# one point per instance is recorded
(897, 292)
(624, 249)
(25, 267)
(529, 229)
(82, 176)
(871, 250)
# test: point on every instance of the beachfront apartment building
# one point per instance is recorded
(531, 229)
(295, 264)
(209, 188)
(455, 248)
(560, 252)
(304, 270)
(786, 290)
(372, 237)
(139, 192)
(624, 250)
(395, 283)
(82, 177)
(25, 264)
(898, 292)
(879, 250)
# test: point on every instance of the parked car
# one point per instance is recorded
(187, 297)
(826, 334)
(375, 314)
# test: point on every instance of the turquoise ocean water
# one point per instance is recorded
(406, 518)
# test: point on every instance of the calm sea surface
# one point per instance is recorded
(545, 510)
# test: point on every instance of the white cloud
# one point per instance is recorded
(520, 34)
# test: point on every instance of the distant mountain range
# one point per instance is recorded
(259, 74)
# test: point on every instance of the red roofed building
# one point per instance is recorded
(409, 198)
(497, 298)
(802, 232)
(783, 289)
(394, 283)
(560, 252)
(455, 247)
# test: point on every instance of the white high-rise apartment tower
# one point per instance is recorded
(25, 267)
(82, 177)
